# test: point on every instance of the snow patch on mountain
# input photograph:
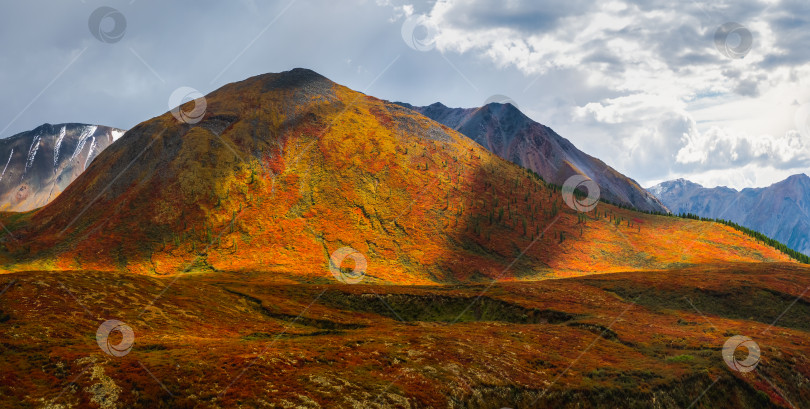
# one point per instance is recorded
(90, 153)
(32, 151)
(86, 134)
(117, 134)
(57, 145)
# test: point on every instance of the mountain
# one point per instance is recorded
(38, 165)
(780, 211)
(229, 224)
(287, 169)
(507, 132)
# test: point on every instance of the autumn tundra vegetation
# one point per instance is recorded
(213, 242)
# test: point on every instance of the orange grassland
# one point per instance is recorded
(636, 340)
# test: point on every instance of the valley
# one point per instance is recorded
(636, 339)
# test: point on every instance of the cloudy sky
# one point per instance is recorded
(713, 91)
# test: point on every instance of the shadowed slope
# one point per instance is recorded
(507, 132)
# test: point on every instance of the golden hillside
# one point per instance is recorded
(287, 168)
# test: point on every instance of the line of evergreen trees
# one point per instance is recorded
(800, 257)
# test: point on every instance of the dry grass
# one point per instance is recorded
(642, 341)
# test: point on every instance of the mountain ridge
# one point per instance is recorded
(37, 165)
(503, 129)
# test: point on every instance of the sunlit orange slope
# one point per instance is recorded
(286, 168)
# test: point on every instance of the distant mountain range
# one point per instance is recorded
(508, 133)
(780, 211)
(39, 164)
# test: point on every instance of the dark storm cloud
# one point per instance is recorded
(528, 17)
